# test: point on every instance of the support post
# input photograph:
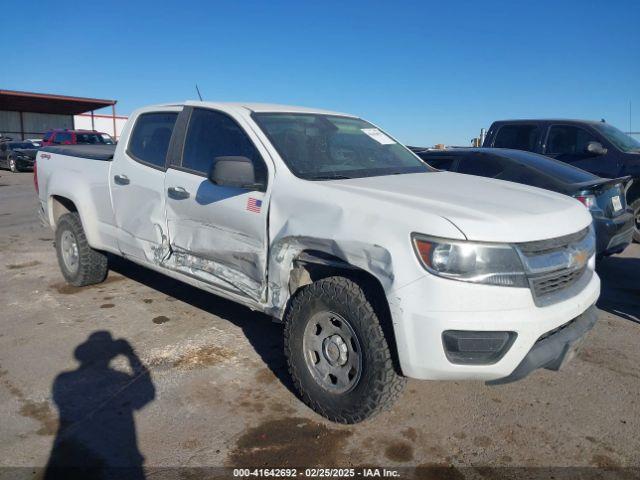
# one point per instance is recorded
(113, 113)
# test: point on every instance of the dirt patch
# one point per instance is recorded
(107, 305)
(41, 412)
(265, 376)
(610, 359)
(256, 407)
(160, 320)
(434, 471)
(279, 408)
(603, 461)
(147, 300)
(203, 357)
(482, 441)
(66, 289)
(399, 452)
(289, 442)
(18, 266)
(410, 434)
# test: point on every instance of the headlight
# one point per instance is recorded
(491, 264)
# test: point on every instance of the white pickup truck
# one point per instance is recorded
(379, 266)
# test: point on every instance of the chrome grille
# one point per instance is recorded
(556, 281)
(540, 247)
(556, 265)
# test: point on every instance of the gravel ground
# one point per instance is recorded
(217, 391)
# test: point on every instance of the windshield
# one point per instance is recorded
(93, 138)
(324, 147)
(624, 142)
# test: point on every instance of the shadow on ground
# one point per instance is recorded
(96, 436)
(264, 335)
(620, 287)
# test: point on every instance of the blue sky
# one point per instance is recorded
(427, 72)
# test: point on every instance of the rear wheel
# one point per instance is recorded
(80, 264)
(338, 355)
(635, 205)
(12, 165)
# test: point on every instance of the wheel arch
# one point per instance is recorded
(58, 206)
(312, 265)
(633, 192)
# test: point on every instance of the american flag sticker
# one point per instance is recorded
(254, 205)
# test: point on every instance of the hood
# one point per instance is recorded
(483, 209)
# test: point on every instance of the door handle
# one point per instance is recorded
(178, 193)
(121, 179)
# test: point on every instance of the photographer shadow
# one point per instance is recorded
(96, 436)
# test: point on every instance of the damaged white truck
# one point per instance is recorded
(379, 266)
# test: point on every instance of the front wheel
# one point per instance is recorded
(12, 165)
(635, 205)
(80, 264)
(338, 356)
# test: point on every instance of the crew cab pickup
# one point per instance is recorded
(597, 147)
(379, 266)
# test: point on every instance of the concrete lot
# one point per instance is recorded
(218, 392)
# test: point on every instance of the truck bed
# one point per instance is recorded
(89, 152)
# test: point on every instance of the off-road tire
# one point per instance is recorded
(92, 264)
(635, 205)
(12, 165)
(379, 385)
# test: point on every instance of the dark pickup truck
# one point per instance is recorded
(596, 147)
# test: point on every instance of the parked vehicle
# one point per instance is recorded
(379, 265)
(17, 156)
(76, 137)
(605, 198)
(596, 147)
(36, 141)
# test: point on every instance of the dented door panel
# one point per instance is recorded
(215, 236)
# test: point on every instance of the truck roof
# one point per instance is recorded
(265, 107)
(552, 120)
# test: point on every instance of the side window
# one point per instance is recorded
(150, 137)
(518, 137)
(482, 165)
(213, 134)
(62, 138)
(47, 137)
(568, 140)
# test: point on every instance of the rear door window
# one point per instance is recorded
(150, 137)
(518, 137)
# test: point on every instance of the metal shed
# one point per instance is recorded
(29, 114)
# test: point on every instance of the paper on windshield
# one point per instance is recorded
(378, 136)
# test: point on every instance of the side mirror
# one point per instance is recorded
(234, 172)
(595, 148)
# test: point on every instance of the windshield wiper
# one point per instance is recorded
(328, 177)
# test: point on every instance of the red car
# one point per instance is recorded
(76, 137)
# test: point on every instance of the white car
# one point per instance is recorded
(379, 266)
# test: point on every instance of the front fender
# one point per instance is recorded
(372, 259)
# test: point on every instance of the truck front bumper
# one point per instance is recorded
(426, 311)
(551, 350)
